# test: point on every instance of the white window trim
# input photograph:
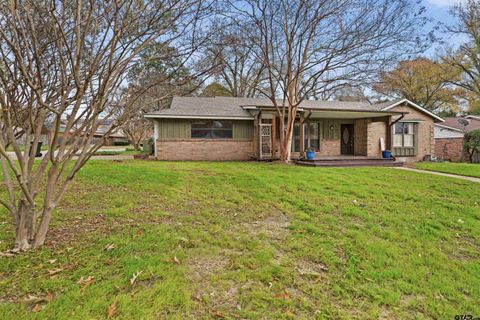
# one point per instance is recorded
(403, 135)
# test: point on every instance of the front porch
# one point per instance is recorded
(333, 135)
(349, 161)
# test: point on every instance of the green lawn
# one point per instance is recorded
(463, 169)
(250, 240)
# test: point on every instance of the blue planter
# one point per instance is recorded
(387, 154)
(310, 155)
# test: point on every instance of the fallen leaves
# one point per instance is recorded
(134, 277)
(7, 254)
(109, 247)
(219, 315)
(10, 253)
(86, 281)
(282, 295)
(37, 308)
(52, 272)
(112, 309)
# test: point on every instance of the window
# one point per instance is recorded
(296, 137)
(311, 136)
(403, 135)
(212, 129)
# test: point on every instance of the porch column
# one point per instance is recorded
(256, 136)
(302, 138)
(388, 143)
(274, 135)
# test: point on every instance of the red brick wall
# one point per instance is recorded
(449, 148)
(360, 143)
(376, 130)
(330, 147)
(425, 139)
(205, 149)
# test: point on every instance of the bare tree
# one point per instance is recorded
(64, 62)
(312, 47)
(158, 75)
(466, 58)
(238, 68)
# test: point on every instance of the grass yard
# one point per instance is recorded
(463, 169)
(143, 240)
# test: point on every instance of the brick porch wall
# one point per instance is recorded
(360, 142)
(330, 147)
(205, 149)
(375, 131)
(449, 148)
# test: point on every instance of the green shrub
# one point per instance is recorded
(121, 143)
(472, 143)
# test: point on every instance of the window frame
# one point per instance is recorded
(210, 129)
(405, 124)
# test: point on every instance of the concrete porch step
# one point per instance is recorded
(350, 163)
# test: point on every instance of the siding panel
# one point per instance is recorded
(243, 130)
(181, 129)
(174, 129)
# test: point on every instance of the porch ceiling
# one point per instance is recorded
(336, 114)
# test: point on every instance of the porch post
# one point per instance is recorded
(274, 135)
(302, 139)
(256, 136)
(388, 143)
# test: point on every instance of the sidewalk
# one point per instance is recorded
(440, 174)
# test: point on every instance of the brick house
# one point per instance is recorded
(230, 128)
(449, 136)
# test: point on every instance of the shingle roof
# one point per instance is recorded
(453, 122)
(234, 106)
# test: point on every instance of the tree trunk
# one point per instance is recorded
(24, 228)
(43, 228)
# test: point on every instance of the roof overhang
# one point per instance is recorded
(447, 127)
(416, 106)
(205, 117)
(350, 114)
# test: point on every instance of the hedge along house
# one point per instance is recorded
(230, 128)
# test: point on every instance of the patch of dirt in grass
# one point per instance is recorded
(202, 267)
(275, 226)
(465, 249)
(74, 228)
(308, 268)
(213, 296)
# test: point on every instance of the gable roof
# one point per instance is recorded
(414, 105)
(237, 108)
(453, 123)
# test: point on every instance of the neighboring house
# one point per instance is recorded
(228, 128)
(449, 136)
(104, 125)
(20, 135)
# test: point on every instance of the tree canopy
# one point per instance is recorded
(216, 89)
(423, 81)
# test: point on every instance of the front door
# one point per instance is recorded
(346, 145)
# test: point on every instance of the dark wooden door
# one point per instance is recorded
(346, 137)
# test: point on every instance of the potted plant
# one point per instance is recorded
(310, 153)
